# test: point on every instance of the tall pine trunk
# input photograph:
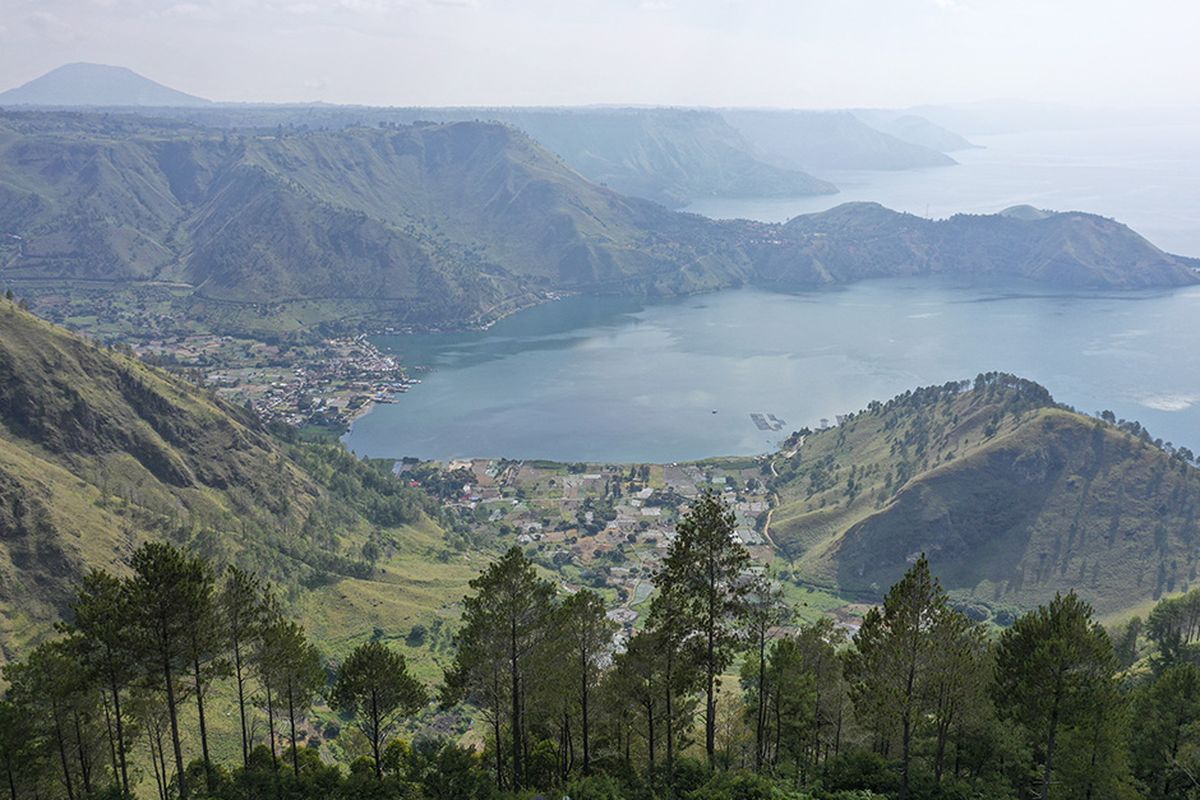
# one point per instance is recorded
(173, 714)
(375, 733)
(710, 695)
(203, 721)
(650, 735)
(1051, 740)
(156, 757)
(112, 741)
(906, 738)
(670, 684)
(62, 753)
(12, 780)
(516, 707)
(241, 690)
(271, 727)
(85, 763)
(116, 697)
(292, 724)
(584, 721)
(760, 720)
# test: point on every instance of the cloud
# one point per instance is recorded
(194, 11)
(49, 26)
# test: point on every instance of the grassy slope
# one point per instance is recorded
(99, 452)
(855, 241)
(1011, 497)
(668, 155)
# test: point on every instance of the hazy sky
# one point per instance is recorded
(802, 53)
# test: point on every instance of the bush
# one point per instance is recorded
(860, 769)
(596, 787)
(735, 785)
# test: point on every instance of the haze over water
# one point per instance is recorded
(1146, 177)
(602, 379)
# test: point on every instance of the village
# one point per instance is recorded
(322, 385)
(608, 527)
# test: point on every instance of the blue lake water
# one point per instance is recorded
(604, 379)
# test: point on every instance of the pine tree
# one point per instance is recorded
(634, 680)
(295, 668)
(512, 609)
(891, 667)
(960, 673)
(158, 592)
(681, 671)
(707, 568)
(1167, 712)
(205, 645)
(101, 631)
(242, 615)
(1053, 667)
(588, 635)
(764, 611)
(375, 685)
(477, 677)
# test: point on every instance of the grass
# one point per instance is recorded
(1012, 501)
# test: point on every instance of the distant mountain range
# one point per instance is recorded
(457, 223)
(671, 156)
(831, 140)
(915, 129)
(84, 84)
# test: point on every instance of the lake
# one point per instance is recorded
(604, 379)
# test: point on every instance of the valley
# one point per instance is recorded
(476, 400)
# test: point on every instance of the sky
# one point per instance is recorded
(787, 53)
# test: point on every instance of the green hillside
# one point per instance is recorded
(855, 241)
(447, 225)
(435, 224)
(99, 453)
(669, 155)
(1012, 497)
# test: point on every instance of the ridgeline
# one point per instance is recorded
(450, 225)
(1013, 498)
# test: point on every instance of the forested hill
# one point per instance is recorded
(1070, 250)
(99, 452)
(1013, 498)
(433, 224)
(451, 225)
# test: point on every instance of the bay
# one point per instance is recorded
(607, 380)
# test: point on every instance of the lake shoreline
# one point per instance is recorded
(611, 379)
